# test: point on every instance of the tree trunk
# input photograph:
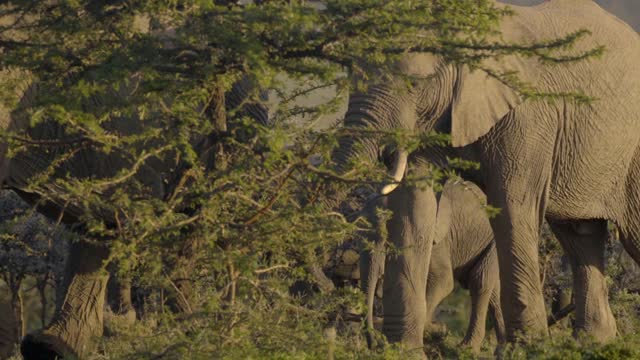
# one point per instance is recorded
(17, 306)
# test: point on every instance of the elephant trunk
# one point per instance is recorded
(378, 111)
(351, 148)
(372, 258)
(373, 262)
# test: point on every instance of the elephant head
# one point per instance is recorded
(438, 96)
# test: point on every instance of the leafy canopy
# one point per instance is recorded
(119, 107)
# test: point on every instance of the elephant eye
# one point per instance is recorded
(386, 156)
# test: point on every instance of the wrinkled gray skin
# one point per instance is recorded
(80, 317)
(463, 250)
(578, 164)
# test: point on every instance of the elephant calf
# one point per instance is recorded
(464, 251)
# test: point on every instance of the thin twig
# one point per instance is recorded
(271, 268)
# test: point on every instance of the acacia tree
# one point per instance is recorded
(76, 71)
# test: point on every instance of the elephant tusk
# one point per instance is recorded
(399, 167)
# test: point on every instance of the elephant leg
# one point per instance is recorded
(517, 162)
(440, 282)
(496, 314)
(119, 297)
(410, 230)
(482, 279)
(477, 323)
(80, 317)
(518, 169)
(584, 243)
(516, 230)
(629, 222)
(631, 245)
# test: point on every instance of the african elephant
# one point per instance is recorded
(576, 163)
(80, 317)
(464, 251)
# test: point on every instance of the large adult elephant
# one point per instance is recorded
(577, 163)
(80, 317)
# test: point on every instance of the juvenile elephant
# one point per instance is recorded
(464, 251)
(575, 163)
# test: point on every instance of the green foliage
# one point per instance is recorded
(565, 347)
(120, 120)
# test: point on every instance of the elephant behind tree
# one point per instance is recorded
(575, 164)
(463, 251)
(80, 317)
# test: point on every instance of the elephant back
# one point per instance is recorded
(50, 148)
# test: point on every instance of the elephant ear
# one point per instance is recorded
(443, 218)
(479, 102)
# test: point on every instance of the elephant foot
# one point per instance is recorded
(603, 331)
(74, 326)
(129, 317)
(44, 346)
(529, 328)
(472, 345)
(61, 340)
(417, 355)
(114, 322)
(593, 313)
